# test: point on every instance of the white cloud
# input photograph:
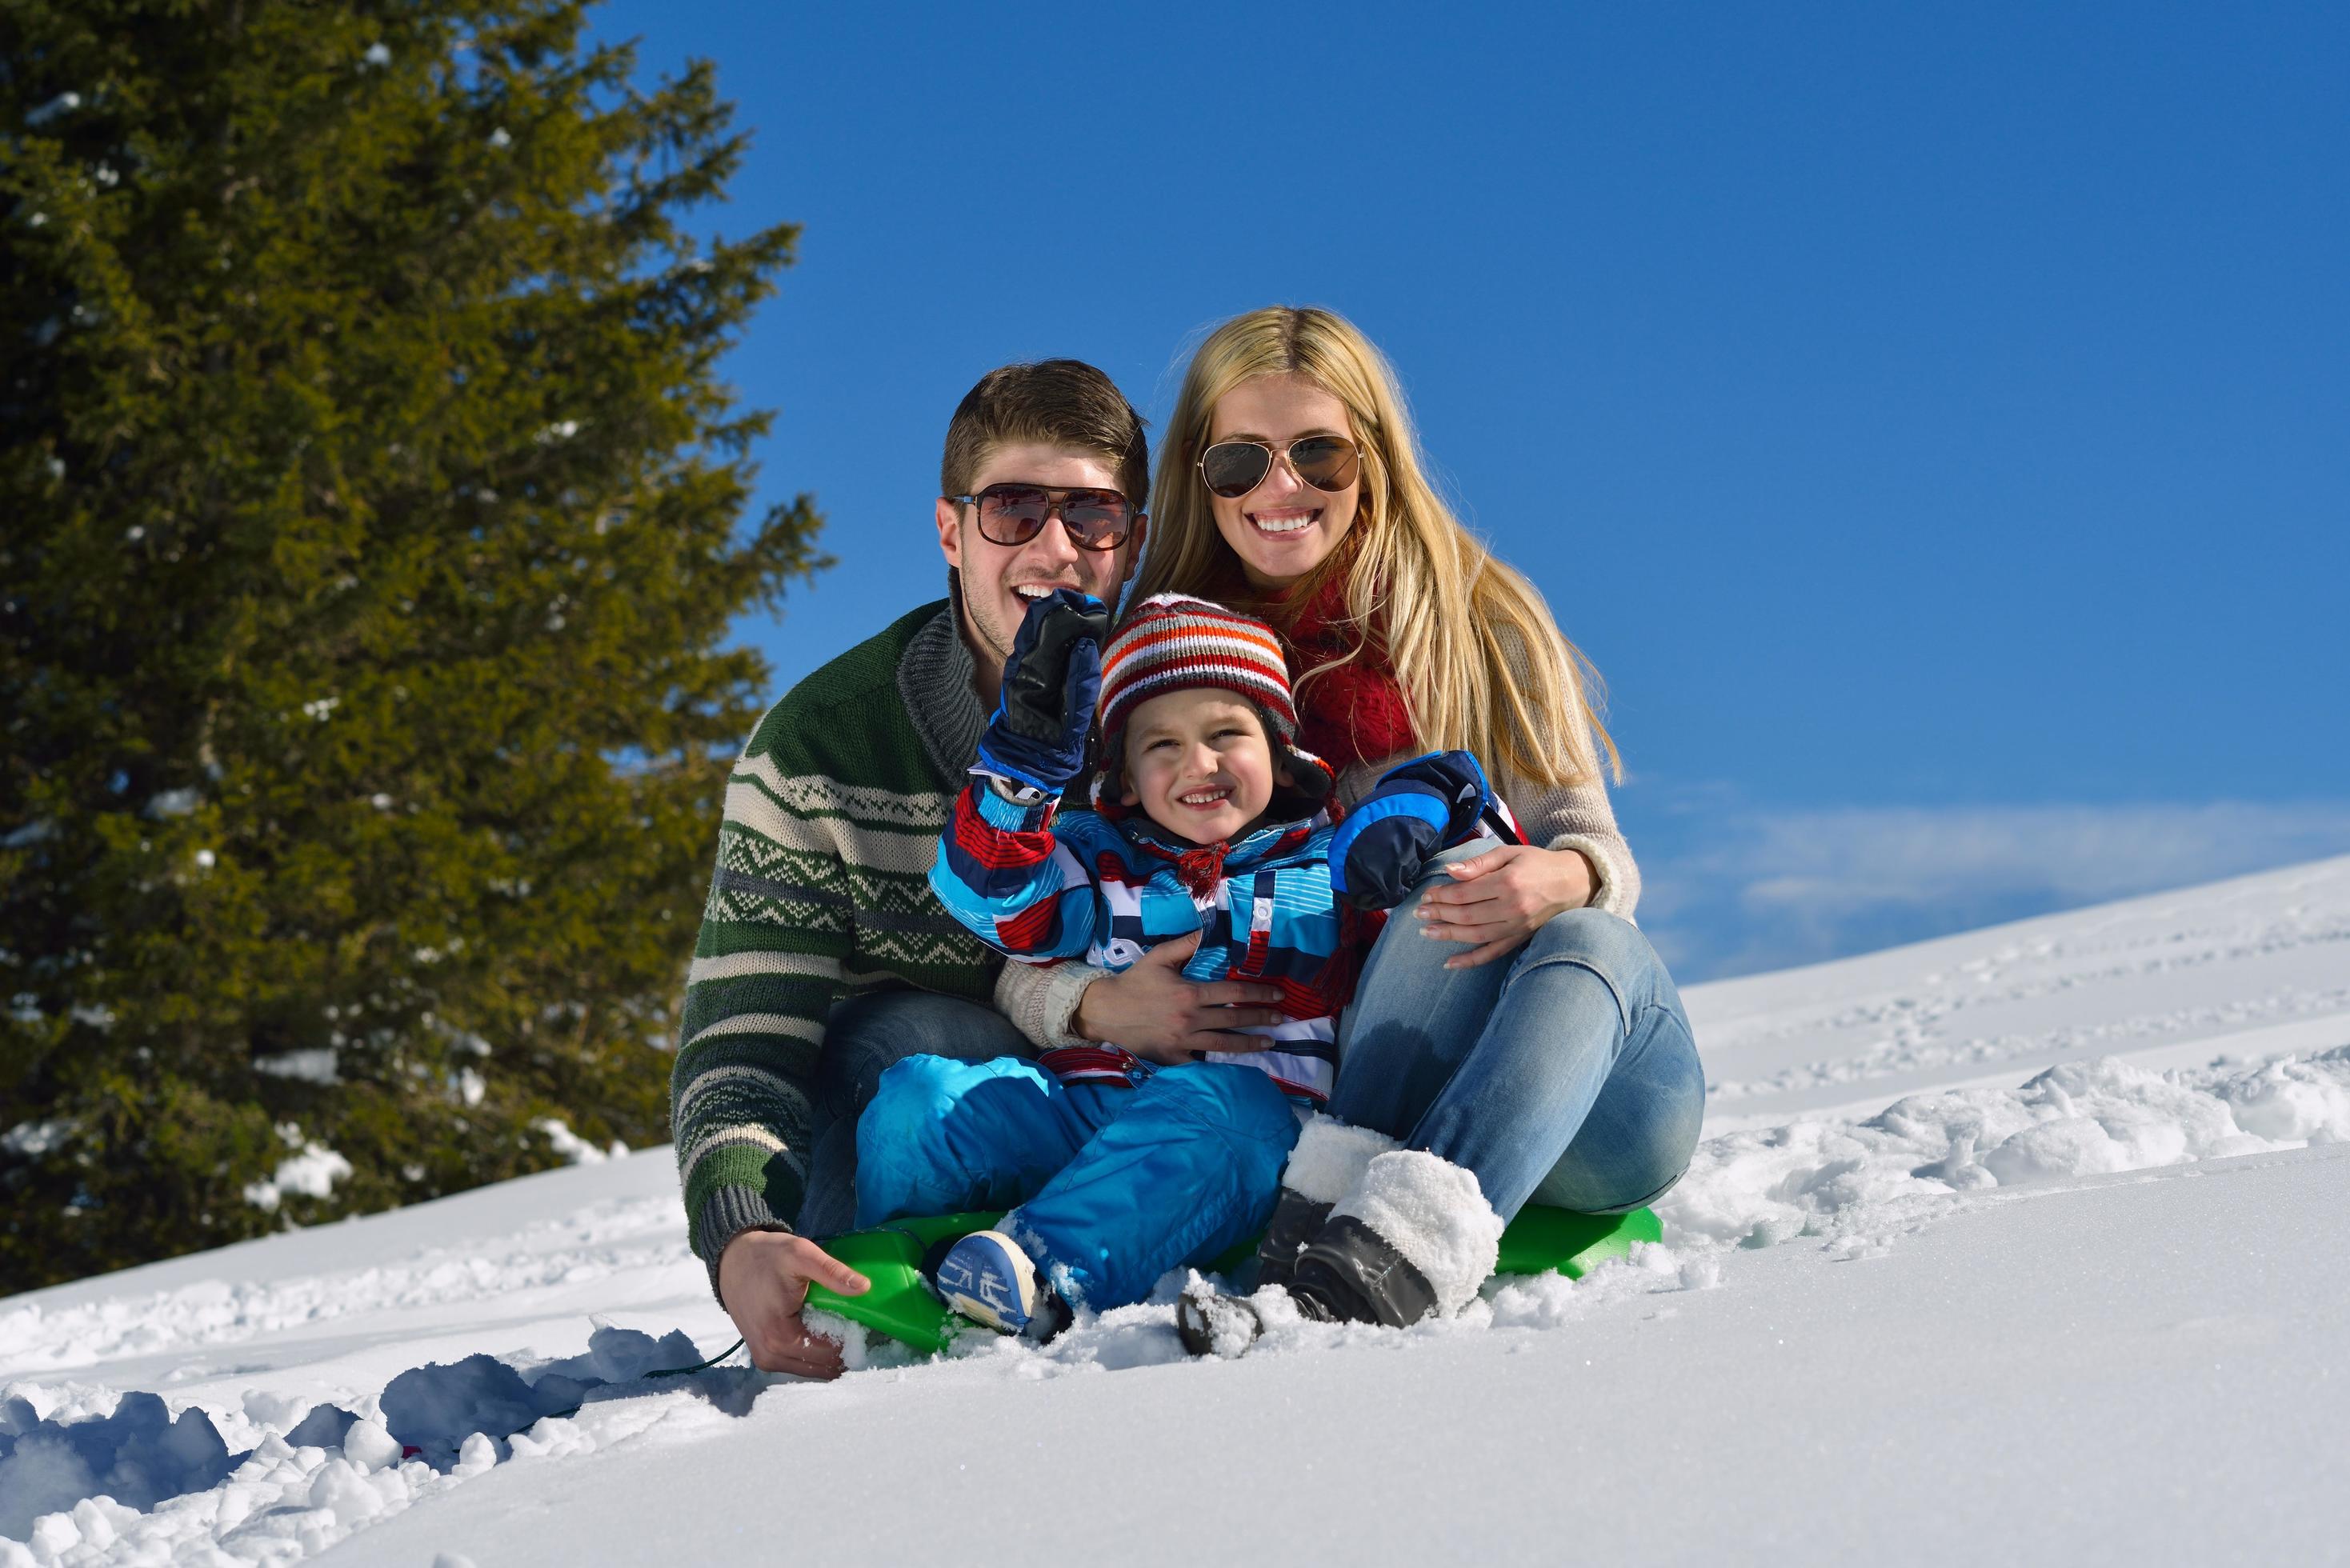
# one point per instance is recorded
(1753, 889)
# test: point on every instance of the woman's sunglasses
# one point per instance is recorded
(1015, 514)
(1234, 468)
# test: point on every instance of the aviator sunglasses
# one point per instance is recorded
(1015, 514)
(1234, 468)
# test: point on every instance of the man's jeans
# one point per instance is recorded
(862, 1038)
(1564, 1074)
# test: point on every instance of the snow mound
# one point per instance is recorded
(139, 1456)
(1861, 1183)
(140, 1484)
(34, 1337)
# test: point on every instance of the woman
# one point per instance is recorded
(1514, 1037)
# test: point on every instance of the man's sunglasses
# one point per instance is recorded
(1015, 514)
(1234, 468)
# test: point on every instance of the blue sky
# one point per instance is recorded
(1933, 420)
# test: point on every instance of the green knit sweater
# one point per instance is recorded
(821, 892)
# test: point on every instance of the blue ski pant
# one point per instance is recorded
(1109, 1185)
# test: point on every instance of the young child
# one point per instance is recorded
(1206, 822)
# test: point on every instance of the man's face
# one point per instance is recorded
(998, 580)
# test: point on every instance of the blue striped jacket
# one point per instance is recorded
(1041, 884)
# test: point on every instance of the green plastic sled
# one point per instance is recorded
(1539, 1241)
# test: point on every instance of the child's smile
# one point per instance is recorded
(1199, 764)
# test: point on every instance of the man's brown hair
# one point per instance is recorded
(1052, 403)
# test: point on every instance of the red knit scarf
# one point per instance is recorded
(1355, 712)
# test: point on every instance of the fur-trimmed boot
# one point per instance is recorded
(1413, 1239)
(1327, 1162)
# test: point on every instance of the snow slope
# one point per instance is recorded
(2021, 1243)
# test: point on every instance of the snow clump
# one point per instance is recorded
(64, 103)
(1860, 1183)
(574, 1147)
(77, 1487)
(312, 1173)
(31, 1141)
(173, 803)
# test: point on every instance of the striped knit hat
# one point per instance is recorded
(1173, 642)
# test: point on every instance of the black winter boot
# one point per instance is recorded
(1350, 1274)
(1211, 1323)
(1413, 1240)
(1347, 1273)
(1296, 1220)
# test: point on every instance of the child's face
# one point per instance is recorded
(1197, 764)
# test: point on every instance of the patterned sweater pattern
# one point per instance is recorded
(820, 893)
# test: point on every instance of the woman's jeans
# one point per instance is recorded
(1564, 1074)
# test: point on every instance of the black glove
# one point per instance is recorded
(1050, 684)
(1426, 805)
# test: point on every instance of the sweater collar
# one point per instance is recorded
(934, 681)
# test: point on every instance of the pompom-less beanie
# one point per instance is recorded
(1172, 642)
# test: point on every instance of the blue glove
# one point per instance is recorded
(1050, 684)
(1426, 805)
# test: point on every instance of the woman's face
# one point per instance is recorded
(1284, 527)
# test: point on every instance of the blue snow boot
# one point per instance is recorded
(985, 1277)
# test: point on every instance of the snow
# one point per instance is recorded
(30, 1140)
(171, 802)
(309, 1064)
(63, 104)
(2018, 1245)
(311, 1173)
(569, 1144)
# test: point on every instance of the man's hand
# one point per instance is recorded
(1152, 1010)
(763, 1279)
(1501, 897)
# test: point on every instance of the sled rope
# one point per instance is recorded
(663, 1372)
(697, 1366)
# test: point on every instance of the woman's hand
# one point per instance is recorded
(1501, 897)
(1152, 1010)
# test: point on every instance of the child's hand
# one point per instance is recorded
(1050, 685)
(1418, 809)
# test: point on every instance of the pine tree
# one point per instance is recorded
(372, 520)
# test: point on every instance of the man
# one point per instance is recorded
(823, 955)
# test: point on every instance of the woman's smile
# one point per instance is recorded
(1284, 527)
(1280, 524)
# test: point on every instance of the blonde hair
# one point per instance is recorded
(1481, 661)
